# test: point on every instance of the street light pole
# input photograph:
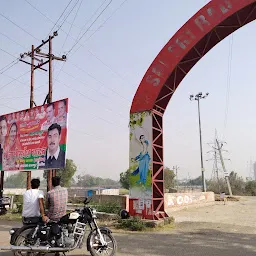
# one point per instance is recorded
(198, 97)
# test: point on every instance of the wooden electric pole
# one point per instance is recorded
(42, 59)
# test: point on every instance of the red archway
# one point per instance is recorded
(214, 22)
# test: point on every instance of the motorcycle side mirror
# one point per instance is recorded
(86, 200)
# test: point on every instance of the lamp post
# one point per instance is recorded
(198, 97)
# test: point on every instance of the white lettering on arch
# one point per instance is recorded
(201, 21)
(226, 6)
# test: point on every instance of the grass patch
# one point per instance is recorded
(11, 216)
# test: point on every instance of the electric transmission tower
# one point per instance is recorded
(218, 157)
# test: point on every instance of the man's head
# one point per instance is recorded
(3, 127)
(53, 138)
(35, 183)
(55, 181)
(62, 107)
(50, 111)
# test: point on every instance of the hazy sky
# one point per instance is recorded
(104, 69)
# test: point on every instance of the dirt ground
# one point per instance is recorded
(226, 230)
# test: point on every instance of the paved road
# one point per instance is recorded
(210, 231)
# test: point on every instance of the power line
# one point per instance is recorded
(97, 117)
(8, 53)
(90, 18)
(230, 55)
(102, 25)
(91, 99)
(9, 66)
(12, 40)
(34, 7)
(18, 26)
(60, 16)
(14, 79)
(89, 26)
(68, 36)
(71, 25)
(68, 14)
(106, 65)
(112, 90)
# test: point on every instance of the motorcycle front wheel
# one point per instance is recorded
(96, 248)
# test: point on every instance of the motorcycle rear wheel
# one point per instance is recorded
(21, 241)
(95, 247)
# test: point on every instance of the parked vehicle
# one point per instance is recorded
(63, 236)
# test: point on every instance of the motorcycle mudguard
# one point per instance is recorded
(102, 230)
(18, 231)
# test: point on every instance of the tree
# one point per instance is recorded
(18, 180)
(66, 173)
(124, 179)
(237, 184)
(250, 188)
(169, 178)
(88, 180)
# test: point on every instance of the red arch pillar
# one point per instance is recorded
(211, 24)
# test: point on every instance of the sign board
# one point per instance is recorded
(34, 138)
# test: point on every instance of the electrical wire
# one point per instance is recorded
(9, 66)
(14, 79)
(34, 7)
(91, 99)
(71, 25)
(100, 82)
(91, 87)
(60, 16)
(90, 18)
(18, 26)
(90, 26)
(68, 14)
(22, 46)
(230, 55)
(68, 36)
(102, 25)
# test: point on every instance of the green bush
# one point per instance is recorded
(133, 224)
(107, 207)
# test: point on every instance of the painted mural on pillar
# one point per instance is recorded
(141, 158)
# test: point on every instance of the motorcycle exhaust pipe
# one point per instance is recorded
(35, 248)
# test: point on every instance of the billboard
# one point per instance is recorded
(34, 138)
(141, 161)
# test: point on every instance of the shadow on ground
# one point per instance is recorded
(202, 242)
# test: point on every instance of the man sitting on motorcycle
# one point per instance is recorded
(33, 204)
(57, 200)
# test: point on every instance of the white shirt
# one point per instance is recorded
(56, 154)
(31, 203)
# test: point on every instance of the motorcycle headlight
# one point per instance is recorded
(94, 213)
(11, 232)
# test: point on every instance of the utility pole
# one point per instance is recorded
(198, 97)
(42, 59)
(219, 147)
(31, 102)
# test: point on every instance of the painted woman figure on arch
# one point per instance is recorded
(143, 158)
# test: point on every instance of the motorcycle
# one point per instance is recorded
(63, 236)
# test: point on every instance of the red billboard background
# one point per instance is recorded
(26, 141)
